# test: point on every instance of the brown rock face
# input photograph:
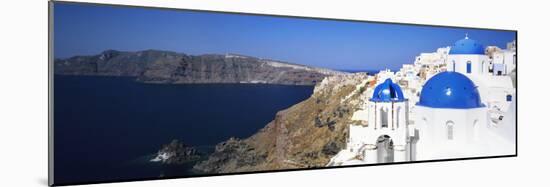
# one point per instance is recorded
(305, 135)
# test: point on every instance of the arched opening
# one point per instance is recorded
(384, 149)
(397, 117)
(384, 118)
(469, 67)
(449, 125)
(423, 126)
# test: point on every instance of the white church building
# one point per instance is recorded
(466, 110)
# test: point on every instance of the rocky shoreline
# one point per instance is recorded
(177, 152)
(230, 155)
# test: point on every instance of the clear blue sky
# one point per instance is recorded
(83, 29)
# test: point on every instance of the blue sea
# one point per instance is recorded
(108, 128)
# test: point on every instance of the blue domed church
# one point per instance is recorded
(468, 57)
(450, 117)
(385, 137)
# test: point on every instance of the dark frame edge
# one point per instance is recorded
(51, 164)
(517, 92)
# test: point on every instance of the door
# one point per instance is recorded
(384, 146)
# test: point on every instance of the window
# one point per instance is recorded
(469, 67)
(508, 97)
(450, 125)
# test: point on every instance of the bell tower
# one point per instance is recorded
(387, 130)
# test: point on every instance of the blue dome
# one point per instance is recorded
(467, 46)
(387, 92)
(450, 90)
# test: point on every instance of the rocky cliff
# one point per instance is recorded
(305, 135)
(153, 66)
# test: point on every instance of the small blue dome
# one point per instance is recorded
(450, 90)
(387, 92)
(467, 46)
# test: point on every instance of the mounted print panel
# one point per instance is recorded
(140, 93)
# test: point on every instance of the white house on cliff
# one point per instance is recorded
(465, 110)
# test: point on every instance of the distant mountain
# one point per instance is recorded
(154, 66)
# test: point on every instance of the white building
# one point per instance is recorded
(468, 57)
(450, 118)
(464, 109)
(383, 75)
(429, 64)
(489, 73)
(504, 60)
(410, 82)
(435, 59)
(385, 138)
